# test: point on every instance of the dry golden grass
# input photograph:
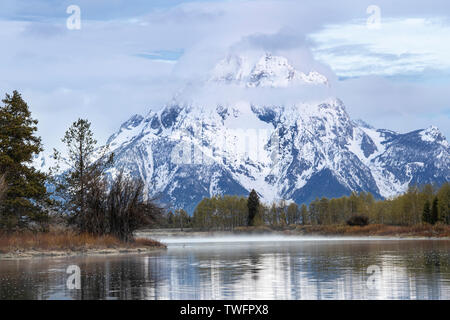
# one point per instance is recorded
(253, 230)
(144, 242)
(65, 241)
(421, 230)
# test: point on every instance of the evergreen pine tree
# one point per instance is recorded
(253, 206)
(26, 196)
(434, 211)
(170, 219)
(426, 214)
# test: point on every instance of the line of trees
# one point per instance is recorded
(83, 194)
(418, 205)
(179, 219)
(219, 213)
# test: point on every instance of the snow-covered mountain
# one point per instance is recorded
(268, 71)
(190, 150)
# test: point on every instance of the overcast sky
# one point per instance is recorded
(130, 56)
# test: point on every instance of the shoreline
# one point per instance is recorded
(36, 254)
(420, 232)
(28, 245)
(148, 240)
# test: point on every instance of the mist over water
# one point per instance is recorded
(259, 239)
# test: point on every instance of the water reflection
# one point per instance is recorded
(412, 269)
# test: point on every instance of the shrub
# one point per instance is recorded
(358, 221)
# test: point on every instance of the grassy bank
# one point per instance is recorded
(422, 230)
(436, 231)
(28, 244)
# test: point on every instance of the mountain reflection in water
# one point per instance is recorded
(309, 269)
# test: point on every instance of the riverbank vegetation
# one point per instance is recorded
(78, 194)
(372, 230)
(67, 241)
(420, 230)
(417, 208)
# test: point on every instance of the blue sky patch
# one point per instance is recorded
(163, 55)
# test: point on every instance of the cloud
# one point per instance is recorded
(400, 46)
(397, 105)
(110, 69)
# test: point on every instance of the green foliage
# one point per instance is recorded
(443, 196)
(408, 209)
(169, 219)
(253, 207)
(181, 219)
(434, 211)
(304, 214)
(293, 214)
(25, 195)
(426, 215)
(221, 213)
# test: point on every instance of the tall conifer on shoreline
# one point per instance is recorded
(25, 196)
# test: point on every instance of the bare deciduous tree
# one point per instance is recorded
(127, 210)
(118, 208)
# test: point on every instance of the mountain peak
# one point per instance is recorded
(267, 71)
(433, 134)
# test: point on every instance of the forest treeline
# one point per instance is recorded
(426, 204)
(77, 192)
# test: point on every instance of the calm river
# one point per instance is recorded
(245, 268)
